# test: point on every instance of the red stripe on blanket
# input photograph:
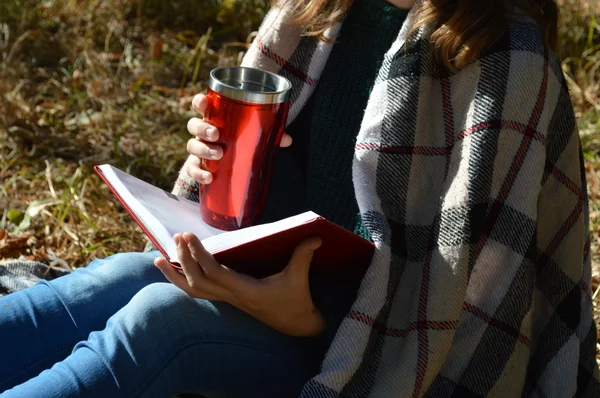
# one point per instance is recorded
(423, 347)
(409, 150)
(562, 177)
(284, 64)
(437, 151)
(563, 231)
(585, 290)
(432, 325)
(516, 165)
(569, 222)
(509, 124)
(186, 186)
(423, 337)
(481, 314)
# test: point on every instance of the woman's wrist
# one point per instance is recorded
(305, 322)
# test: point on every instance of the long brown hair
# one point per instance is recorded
(461, 29)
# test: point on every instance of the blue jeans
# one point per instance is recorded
(117, 328)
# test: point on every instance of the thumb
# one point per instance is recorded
(286, 141)
(302, 256)
(174, 276)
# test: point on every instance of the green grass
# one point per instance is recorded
(110, 81)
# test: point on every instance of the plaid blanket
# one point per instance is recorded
(17, 275)
(472, 187)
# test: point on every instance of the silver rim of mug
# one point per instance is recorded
(250, 85)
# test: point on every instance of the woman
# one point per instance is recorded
(467, 176)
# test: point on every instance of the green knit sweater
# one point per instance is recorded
(315, 173)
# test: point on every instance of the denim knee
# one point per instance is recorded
(135, 263)
(161, 299)
(171, 341)
(163, 296)
(166, 305)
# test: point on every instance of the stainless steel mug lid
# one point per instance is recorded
(249, 85)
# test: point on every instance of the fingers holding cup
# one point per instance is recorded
(202, 130)
(203, 150)
(194, 169)
(199, 103)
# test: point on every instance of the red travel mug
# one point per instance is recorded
(249, 107)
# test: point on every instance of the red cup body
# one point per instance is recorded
(249, 135)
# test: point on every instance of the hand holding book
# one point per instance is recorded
(281, 301)
(267, 266)
(161, 215)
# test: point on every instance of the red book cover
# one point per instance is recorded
(266, 254)
(340, 250)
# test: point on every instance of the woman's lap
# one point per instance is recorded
(158, 342)
(44, 322)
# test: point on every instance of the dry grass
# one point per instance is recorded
(89, 82)
(84, 82)
(580, 43)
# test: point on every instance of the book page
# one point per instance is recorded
(164, 214)
(231, 239)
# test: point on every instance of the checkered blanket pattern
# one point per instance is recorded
(18, 275)
(472, 187)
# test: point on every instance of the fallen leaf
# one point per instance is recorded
(111, 56)
(156, 45)
(15, 246)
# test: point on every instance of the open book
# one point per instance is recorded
(259, 250)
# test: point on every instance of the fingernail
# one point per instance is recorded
(214, 153)
(176, 239)
(211, 133)
(207, 178)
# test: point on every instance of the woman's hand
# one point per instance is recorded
(282, 301)
(202, 145)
